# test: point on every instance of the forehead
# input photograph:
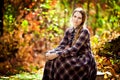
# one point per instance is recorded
(77, 14)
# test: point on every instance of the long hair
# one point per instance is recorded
(81, 26)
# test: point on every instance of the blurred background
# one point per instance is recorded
(29, 28)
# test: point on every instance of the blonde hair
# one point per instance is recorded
(81, 26)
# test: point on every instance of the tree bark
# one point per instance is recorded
(88, 9)
(1, 16)
(97, 12)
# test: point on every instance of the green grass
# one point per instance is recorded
(25, 76)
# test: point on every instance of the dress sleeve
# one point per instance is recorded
(64, 41)
(76, 47)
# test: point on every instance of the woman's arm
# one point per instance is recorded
(51, 54)
(76, 47)
(64, 41)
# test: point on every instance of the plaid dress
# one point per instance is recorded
(74, 62)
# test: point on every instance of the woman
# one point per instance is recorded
(72, 59)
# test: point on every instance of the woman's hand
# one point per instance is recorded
(51, 51)
(51, 56)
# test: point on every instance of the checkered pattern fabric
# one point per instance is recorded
(75, 62)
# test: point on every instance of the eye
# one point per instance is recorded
(74, 16)
(79, 17)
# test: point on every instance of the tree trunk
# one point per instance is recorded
(88, 9)
(97, 15)
(1, 16)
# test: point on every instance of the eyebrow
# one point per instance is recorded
(78, 16)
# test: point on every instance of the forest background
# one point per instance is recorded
(29, 28)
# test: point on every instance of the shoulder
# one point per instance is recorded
(85, 29)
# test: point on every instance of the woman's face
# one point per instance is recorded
(77, 19)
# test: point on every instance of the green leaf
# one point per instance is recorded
(47, 6)
(24, 25)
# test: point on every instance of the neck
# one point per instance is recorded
(78, 28)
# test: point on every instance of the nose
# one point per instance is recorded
(75, 19)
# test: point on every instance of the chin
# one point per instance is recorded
(75, 26)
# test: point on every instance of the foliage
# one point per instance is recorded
(104, 16)
(105, 42)
(106, 51)
(31, 27)
(17, 42)
(25, 76)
